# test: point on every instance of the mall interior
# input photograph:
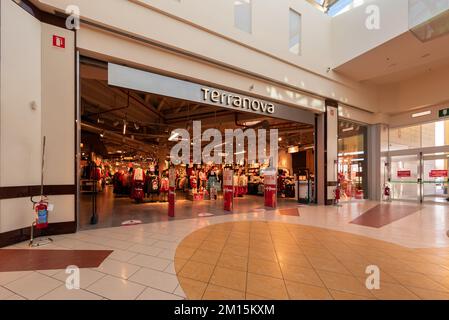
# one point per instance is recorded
(96, 95)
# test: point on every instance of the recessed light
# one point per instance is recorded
(421, 114)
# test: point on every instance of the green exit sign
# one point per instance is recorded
(444, 113)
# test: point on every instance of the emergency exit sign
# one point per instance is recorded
(444, 113)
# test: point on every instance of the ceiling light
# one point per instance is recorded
(102, 134)
(421, 114)
(136, 126)
(348, 129)
(116, 123)
(124, 127)
(174, 136)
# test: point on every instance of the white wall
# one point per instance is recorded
(351, 38)
(207, 31)
(32, 70)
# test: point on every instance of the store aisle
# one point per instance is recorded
(113, 211)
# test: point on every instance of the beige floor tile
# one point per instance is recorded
(114, 288)
(344, 283)
(8, 277)
(87, 277)
(301, 275)
(117, 269)
(145, 249)
(5, 294)
(33, 286)
(339, 295)
(155, 279)
(197, 271)
(265, 268)
(389, 291)
(122, 255)
(300, 291)
(150, 262)
(62, 293)
(214, 292)
(194, 290)
(229, 278)
(233, 262)
(154, 294)
(268, 287)
(205, 256)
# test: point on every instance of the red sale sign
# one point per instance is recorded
(404, 174)
(171, 193)
(438, 174)
(270, 182)
(228, 190)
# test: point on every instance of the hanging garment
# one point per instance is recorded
(138, 175)
(165, 185)
(154, 184)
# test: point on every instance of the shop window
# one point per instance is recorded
(243, 15)
(295, 32)
(352, 161)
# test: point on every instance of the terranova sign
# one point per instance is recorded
(125, 77)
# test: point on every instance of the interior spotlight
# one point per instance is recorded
(125, 127)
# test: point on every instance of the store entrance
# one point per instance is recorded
(126, 142)
(421, 176)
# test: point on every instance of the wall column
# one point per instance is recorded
(327, 153)
(373, 162)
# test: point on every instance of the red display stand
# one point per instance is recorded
(270, 181)
(228, 190)
(172, 193)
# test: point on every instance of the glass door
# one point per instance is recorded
(406, 177)
(435, 178)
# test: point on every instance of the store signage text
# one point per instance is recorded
(237, 101)
(438, 174)
(404, 174)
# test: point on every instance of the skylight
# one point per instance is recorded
(336, 7)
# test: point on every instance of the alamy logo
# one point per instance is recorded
(73, 20)
(231, 150)
(73, 280)
(373, 280)
(373, 20)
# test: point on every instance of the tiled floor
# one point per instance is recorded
(273, 260)
(256, 255)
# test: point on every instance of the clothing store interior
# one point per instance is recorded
(126, 139)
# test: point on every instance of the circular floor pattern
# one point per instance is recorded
(271, 260)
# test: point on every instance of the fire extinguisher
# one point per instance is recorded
(40, 209)
(337, 195)
(387, 192)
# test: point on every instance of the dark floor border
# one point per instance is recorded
(33, 191)
(21, 235)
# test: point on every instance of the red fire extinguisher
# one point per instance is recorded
(40, 209)
(337, 193)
